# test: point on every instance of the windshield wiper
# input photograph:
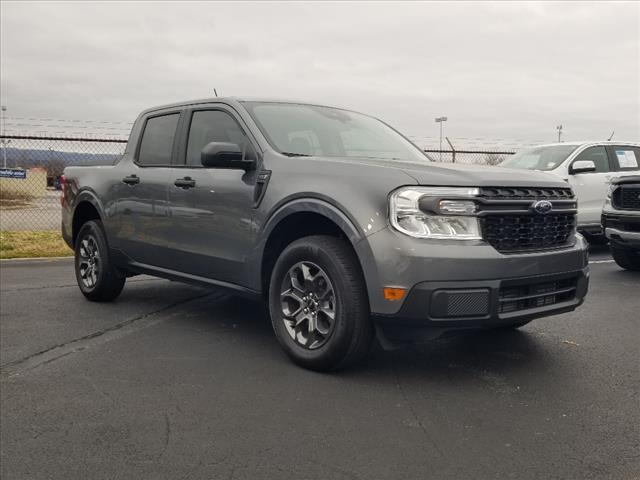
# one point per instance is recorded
(290, 154)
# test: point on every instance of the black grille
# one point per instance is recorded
(526, 193)
(510, 223)
(621, 222)
(630, 198)
(534, 295)
(511, 233)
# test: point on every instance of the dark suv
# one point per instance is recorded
(333, 217)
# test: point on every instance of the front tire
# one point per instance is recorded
(97, 277)
(318, 304)
(626, 258)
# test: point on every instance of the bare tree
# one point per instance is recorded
(493, 159)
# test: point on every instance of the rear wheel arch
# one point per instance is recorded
(87, 209)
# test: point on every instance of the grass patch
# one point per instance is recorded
(9, 199)
(8, 195)
(29, 244)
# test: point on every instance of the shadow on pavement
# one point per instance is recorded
(500, 351)
(595, 248)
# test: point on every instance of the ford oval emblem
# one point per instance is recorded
(542, 206)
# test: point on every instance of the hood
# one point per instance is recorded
(626, 179)
(481, 176)
(456, 174)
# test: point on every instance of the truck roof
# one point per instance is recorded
(234, 100)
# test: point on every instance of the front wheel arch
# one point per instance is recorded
(293, 219)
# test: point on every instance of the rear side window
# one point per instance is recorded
(156, 146)
(627, 158)
(598, 155)
(213, 126)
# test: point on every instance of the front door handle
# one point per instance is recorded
(131, 180)
(186, 182)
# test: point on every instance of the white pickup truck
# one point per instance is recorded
(589, 167)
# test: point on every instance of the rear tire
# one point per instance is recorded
(97, 277)
(628, 258)
(319, 305)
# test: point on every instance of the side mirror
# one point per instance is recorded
(225, 155)
(582, 166)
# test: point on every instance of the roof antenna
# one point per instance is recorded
(611, 136)
(215, 92)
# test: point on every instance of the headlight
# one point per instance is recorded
(608, 199)
(435, 212)
(610, 190)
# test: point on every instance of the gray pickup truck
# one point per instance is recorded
(335, 219)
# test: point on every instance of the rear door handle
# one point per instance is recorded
(131, 180)
(186, 182)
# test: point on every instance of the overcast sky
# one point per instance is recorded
(501, 70)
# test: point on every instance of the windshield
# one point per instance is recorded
(306, 130)
(540, 158)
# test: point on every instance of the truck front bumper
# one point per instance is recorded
(435, 308)
(468, 285)
(622, 228)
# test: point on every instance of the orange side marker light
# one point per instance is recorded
(393, 294)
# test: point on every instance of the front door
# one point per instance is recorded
(591, 187)
(211, 208)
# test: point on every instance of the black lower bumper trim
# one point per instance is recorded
(433, 309)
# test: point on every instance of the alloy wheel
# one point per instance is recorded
(308, 305)
(89, 262)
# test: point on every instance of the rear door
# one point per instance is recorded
(211, 208)
(591, 187)
(143, 200)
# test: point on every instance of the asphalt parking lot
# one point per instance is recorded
(176, 382)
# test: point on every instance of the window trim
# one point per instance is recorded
(181, 159)
(172, 160)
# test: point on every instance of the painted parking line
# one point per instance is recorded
(601, 261)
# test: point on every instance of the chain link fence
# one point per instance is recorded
(31, 167)
(473, 157)
(30, 172)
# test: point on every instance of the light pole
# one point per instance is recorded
(559, 128)
(441, 120)
(4, 140)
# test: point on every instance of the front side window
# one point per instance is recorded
(539, 158)
(213, 126)
(597, 155)
(157, 140)
(303, 130)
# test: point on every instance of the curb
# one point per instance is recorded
(34, 259)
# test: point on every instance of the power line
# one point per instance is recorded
(67, 120)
